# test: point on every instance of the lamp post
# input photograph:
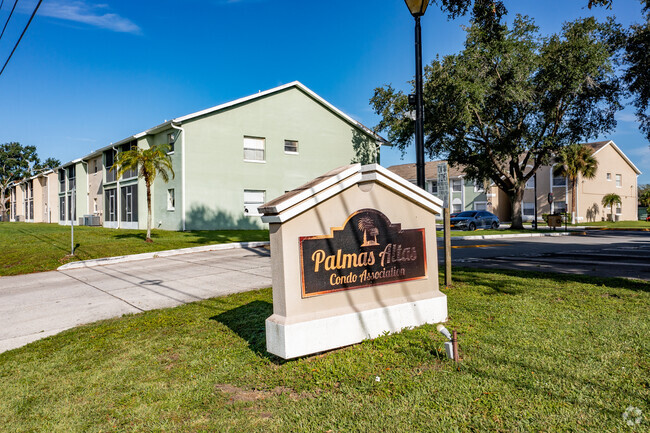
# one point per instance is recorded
(417, 9)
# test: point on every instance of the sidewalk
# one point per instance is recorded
(38, 305)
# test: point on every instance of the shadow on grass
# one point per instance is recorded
(498, 287)
(247, 321)
(142, 235)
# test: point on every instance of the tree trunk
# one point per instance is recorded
(3, 209)
(574, 197)
(516, 196)
(149, 213)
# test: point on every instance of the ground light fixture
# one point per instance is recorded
(451, 346)
(417, 9)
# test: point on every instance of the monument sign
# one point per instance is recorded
(353, 255)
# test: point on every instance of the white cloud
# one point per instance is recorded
(79, 11)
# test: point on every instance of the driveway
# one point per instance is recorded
(37, 305)
(598, 253)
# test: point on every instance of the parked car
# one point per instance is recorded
(475, 219)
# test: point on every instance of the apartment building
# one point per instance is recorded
(227, 160)
(615, 174)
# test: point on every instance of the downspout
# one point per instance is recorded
(179, 128)
(118, 214)
(49, 213)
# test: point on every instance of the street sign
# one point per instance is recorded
(443, 184)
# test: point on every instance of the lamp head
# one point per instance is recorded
(417, 7)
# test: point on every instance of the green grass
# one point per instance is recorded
(540, 353)
(618, 224)
(28, 247)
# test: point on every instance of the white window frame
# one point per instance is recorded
(455, 182)
(619, 180)
(171, 199)
(479, 188)
(171, 142)
(555, 206)
(559, 185)
(291, 152)
(609, 177)
(530, 206)
(253, 198)
(255, 144)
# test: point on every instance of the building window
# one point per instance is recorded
(456, 185)
(72, 209)
(619, 181)
(618, 209)
(433, 187)
(171, 139)
(62, 208)
(560, 206)
(110, 207)
(480, 205)
(456, 207)
(133, 172)
(559, 181)
(529, 209)
(95, 208)
(171, 201)
(252, 200)
(62, 180)
(609, 177)
(129, 203)
(478, 187)
(254, 149)
(111, 175)
(290, 146)
(71, 177)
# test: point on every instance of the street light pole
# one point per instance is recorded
(419, 109)
(417, 9)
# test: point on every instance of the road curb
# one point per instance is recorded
(517, 235)
(165, 253)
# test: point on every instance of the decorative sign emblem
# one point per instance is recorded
(367, 251)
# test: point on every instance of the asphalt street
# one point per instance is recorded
(598, 253)
(37, 305)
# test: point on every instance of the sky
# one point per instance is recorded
(87, 74)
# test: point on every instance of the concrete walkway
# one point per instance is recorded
(38, 305)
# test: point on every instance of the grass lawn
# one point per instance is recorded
(29, 247)
(540, 353)
(618, 224)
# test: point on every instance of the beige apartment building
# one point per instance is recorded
(34, 199)
(615, 174)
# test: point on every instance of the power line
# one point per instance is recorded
(8, 18)
(21, 35)
(3, 2)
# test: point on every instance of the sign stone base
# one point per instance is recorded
(354, 255)
(292, 340)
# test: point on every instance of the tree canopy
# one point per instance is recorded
(511, 99)
(637, 69)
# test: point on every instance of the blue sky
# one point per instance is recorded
(90, 73)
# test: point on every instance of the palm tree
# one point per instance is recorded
(150, 163)
(611, 200)
(573, 161)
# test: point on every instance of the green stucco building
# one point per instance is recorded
(227, 161)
